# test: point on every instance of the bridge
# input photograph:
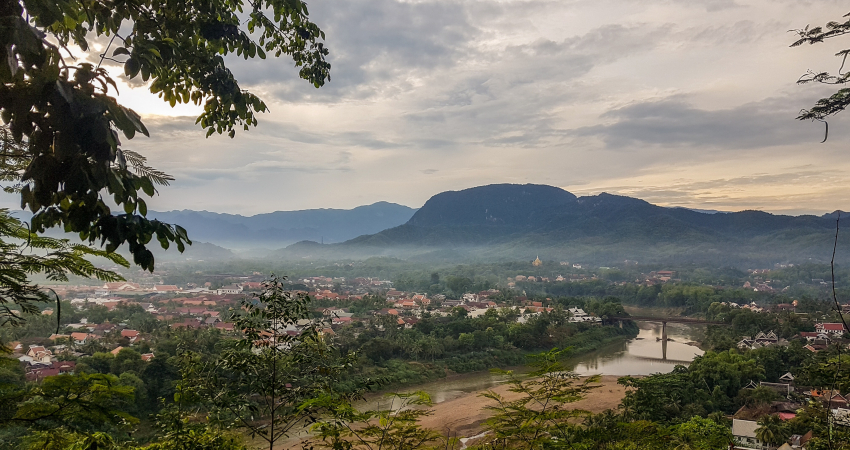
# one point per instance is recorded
(664, 321)
(669, 319)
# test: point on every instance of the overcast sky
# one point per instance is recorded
(680, 102)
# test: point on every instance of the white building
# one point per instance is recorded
(578, 315)
(232, 289)
(744, 432)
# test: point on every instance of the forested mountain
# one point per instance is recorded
(281, 228)
(521, 221)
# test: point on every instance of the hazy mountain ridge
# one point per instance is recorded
(520, 221)
(281, 228)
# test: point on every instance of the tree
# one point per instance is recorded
(760, 396)
(724, 374)
(62, 439)
(458, 285)
(838, 101)
(80, 402)
(199, 438)
(394, 428)
(771, 431)
(23, 254)
(272, 381)
(540, 417)
(660, 397)
(702, 434)
(63, 116)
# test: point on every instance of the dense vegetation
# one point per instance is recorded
(462, 344)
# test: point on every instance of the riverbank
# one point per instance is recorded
(464, 416)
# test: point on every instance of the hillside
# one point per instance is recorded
(281, 228)
(510, 222)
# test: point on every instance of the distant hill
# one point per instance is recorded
(506, 221)
(281, 228)
(500, 205)
(198, 251)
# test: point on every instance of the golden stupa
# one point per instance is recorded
(537, 262)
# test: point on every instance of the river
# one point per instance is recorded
(642, 355)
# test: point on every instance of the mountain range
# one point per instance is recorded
(513, 222)
(281, 228)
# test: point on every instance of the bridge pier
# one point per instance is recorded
(664, 321)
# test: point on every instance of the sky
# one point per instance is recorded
(686, 103)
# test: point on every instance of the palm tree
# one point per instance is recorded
(771, 431)
(432, 347)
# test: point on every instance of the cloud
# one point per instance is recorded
(804, 189)
(688, 103)
(675, 122)
(375, 45)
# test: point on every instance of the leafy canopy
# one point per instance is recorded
(80, 401)
(62, 113)
(23, 253)
(396, 427)
(838, 101)
(541, 417)
(274, 381)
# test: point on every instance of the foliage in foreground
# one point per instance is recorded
(396, 427)
(540, 416)
(23, 254)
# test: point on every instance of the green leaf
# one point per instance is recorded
(147, 186)
(132, 67)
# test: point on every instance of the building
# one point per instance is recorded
(814, 335)
(122, 286)
(744, 432)
(578, 315)
(132, 335)
(231, 289)
(760, 340)
(467, 298)
(341, 320)
(226, 326)
(537, 262)
(37, 372)
(830, 328)
(82, 338)
(40, 354)
(165, 288)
